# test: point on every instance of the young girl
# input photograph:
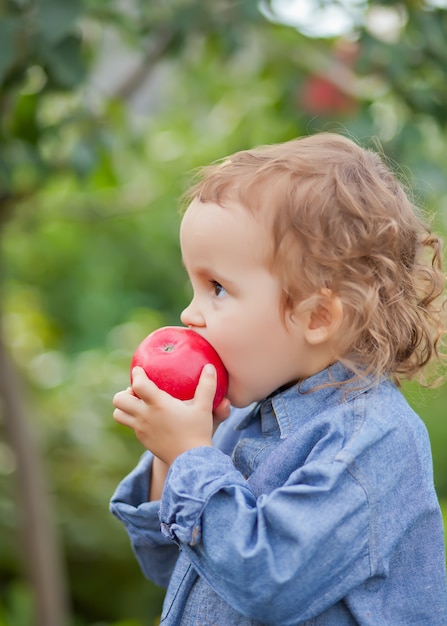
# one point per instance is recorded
(319, 285)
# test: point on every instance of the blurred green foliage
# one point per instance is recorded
(90, 187)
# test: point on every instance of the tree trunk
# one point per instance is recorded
(43, 562)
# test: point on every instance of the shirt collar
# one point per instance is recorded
(305, 399)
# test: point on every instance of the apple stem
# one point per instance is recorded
(169, 347)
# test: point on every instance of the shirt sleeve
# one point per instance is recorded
(155, 553)
(294, 551)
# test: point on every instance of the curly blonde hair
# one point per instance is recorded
(341, 220)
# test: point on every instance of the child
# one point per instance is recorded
(319, 286)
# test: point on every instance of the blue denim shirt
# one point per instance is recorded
(315, 508)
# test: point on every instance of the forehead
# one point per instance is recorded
(208, 229)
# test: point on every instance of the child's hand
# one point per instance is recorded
(167, 426)
(221, 413)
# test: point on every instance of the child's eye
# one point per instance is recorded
(218, 289)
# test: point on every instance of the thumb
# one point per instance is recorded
(206, 388)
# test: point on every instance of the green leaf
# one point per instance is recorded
(65, 64)
(56, 19)
(9, 31)
(24, 124)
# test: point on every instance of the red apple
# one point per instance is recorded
(320, 96)
(173, 358)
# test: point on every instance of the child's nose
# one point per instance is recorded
(191, 316)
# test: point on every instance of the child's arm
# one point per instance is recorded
(136, 500)
(155, 553)
(158, 476)
(278, 557)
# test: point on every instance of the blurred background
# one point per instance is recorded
(106, 108)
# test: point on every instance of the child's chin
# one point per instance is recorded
(240, 401)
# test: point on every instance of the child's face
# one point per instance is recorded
(236, 301)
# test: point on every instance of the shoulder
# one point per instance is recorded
(381, 420)
(373, 430)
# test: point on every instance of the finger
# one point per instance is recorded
(142, 386)
(123, 418)
(126, 401)
(222, 411)
(137, 375)
(206, 388)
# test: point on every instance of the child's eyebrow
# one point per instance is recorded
(206, 272)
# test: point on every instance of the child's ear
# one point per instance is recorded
(323, 319)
